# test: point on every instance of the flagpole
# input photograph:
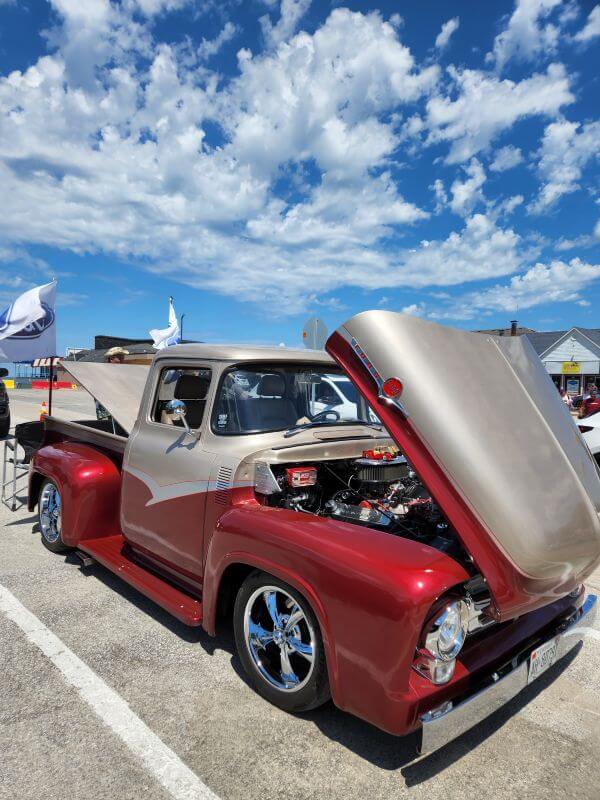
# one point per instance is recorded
(50, 390)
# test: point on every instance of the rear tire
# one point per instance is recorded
(50, 517)
(279, 644)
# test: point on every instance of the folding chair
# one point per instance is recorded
(18, 451)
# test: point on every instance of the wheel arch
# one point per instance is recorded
(89, 483)
(235, 568)
(36, 479)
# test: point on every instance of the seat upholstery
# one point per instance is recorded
(270, 410)
(192, 389)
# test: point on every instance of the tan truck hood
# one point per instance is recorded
(494, 429)
(118, 387)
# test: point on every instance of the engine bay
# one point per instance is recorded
(378, 490)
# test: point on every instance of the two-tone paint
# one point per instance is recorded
(177, 517)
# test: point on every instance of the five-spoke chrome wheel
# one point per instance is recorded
(280, 638)
(50, 517)
(50, 513)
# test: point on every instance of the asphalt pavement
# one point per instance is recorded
(188, 689)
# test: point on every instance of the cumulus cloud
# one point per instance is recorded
(507, 206)
(580, 242)
(210, 47)
(591, 29)
(528, 33)
(466, 194)
(557, 282)
(290, 14)
(441, 198)
(486, 106)
(448, 28)
(565, 150)
(281, 183)
(480, 250)
(506, 158)
(414, 309)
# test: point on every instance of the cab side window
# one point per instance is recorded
(189, 385)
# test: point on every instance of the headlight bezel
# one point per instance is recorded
(450, 623)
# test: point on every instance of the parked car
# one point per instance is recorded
(420, 578)
(4, 406)
(336, 393)
(590, 430)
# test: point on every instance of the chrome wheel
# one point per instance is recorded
(279, 638)
(50, 521)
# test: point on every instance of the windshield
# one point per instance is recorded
(263, 399)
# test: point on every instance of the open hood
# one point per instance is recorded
(485, 429)
(118, 387)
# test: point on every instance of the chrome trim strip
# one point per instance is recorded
(442, 725)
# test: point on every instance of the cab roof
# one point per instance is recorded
(242, 352)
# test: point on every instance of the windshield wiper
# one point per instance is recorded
(305, 425)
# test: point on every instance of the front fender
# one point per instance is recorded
(90, 488)
(370, 591)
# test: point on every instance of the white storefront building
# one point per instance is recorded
(571, 357)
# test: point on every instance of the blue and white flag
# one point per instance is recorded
(165, 337)
(28, 326)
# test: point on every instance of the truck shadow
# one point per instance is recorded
(383, 750)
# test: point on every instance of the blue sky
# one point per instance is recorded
(269, 160)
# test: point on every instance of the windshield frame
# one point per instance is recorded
(267, 366)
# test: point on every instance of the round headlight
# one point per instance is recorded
(449, 631)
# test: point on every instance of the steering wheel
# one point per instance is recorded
(324, 414)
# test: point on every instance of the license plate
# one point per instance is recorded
(542, 658)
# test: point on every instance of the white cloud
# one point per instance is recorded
(579, 242)
(321, 96)
(337, 213)
(557, 282)
(290, 14)
(591, 29)
(506, 158)
(565, 150)
(102, 153)
(441, 198)
(104, 147)
(210, 47)
(466, 194)
(486, 106)
(414, 309)
(528, 33)
(448, 28)
(507, 206)
(481, 250)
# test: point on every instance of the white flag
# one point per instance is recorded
(166, 337)
(28, 326)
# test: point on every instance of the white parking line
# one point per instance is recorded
(161, 761)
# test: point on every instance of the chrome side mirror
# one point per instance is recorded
(176, 410)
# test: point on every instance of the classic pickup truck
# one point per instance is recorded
(420, 563)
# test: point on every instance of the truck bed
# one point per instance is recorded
(97, 433)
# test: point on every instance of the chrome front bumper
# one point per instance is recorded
(442, 725)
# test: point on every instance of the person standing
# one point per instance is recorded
(566, 398)
(591, 404)
(114, 355)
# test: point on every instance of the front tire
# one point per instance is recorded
(279, 644)
(50, 517)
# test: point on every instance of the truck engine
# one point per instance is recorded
(378, 490)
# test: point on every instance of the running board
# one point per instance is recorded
(110, 551)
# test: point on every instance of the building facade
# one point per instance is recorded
(572, 358)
